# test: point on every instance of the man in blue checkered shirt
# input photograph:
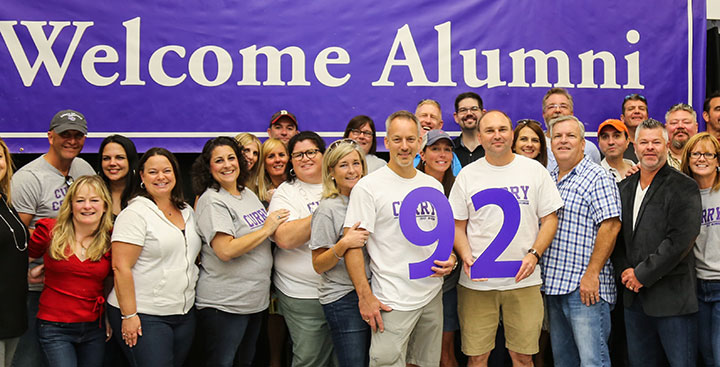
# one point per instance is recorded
(579, 284)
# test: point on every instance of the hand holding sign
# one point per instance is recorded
(485, 266)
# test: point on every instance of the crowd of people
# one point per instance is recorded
(508, 240)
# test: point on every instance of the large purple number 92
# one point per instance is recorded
(486, 265)
(443, 233)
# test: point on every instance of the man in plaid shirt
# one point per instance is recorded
(578, 275)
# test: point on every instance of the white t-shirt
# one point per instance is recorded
(165, 273)
(537, 196)
(294, 273)
(375, 202)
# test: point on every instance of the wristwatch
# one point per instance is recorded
(534, 252)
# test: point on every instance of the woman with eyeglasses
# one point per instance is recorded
(154, 246)
(76, 250)
(273, 160)
(436, 159)
(13, 265)
(118, 163)
(700, 161)
(294, 279)
(361, 128)
(529, 140)
(234, 285)
(252, 150)
(342, 167)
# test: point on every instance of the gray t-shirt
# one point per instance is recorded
(39, 189)
(241, 285)
(707, 252)
(327, 229)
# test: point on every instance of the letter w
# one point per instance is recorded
(44, 45)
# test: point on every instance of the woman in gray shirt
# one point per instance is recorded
(343, 166)
(234, 283)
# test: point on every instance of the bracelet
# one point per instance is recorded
(456, 260)
(125, 317)
(335, 253)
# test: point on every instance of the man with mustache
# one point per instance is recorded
(468, 110)
(653, 255)
(681, 124)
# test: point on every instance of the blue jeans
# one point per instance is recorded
(71, 344)
(28, 352)
(228, 335)
(350, 334)
(708, 293)
(166, 340)
(578, 333)
(657, 341)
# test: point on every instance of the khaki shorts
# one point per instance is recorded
(479, 311)
(410, 337)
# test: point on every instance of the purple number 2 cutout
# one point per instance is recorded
(443, 233)
(486, 265)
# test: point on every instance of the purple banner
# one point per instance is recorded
(174, 73)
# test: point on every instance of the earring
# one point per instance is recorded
(292, 172)
(142, 185)
(332, 178)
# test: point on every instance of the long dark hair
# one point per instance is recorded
(304, 135)
(132, 157)
(448, 178)
(356, 123)
(533, 125)
(202, 179)
(176, 195)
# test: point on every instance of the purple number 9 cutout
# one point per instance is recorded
(486, 265)
(443, 233)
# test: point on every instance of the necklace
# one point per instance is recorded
(12, 231)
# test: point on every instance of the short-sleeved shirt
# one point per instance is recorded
(707, 251)
(615, 173)
(240, 285)
(530, 184)
(327, 230)
(39, 189)
(375, 202)
(591, 196)
(165, 273)
(294, 273)
(374, 162)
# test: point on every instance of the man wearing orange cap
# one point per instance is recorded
(613, 140)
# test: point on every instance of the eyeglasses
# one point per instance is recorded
(708, 156)
(635, 96)
(310, 154)
(528, 122)
(340, 142)
(357, 132)
(464, 110)
(562, 106)
(69, 180)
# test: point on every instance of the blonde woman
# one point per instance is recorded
(342, 167)
(275, 157)
(13, 265)
(77, 261)
(252, 150)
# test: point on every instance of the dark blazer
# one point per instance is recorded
(660, 247)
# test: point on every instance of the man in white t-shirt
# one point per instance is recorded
(498, 202)
(407, 312)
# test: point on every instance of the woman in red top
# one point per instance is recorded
(77, 261)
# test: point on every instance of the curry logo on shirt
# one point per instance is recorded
(711, 217)
(520, 193)
(424, 211)
(256, 218)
